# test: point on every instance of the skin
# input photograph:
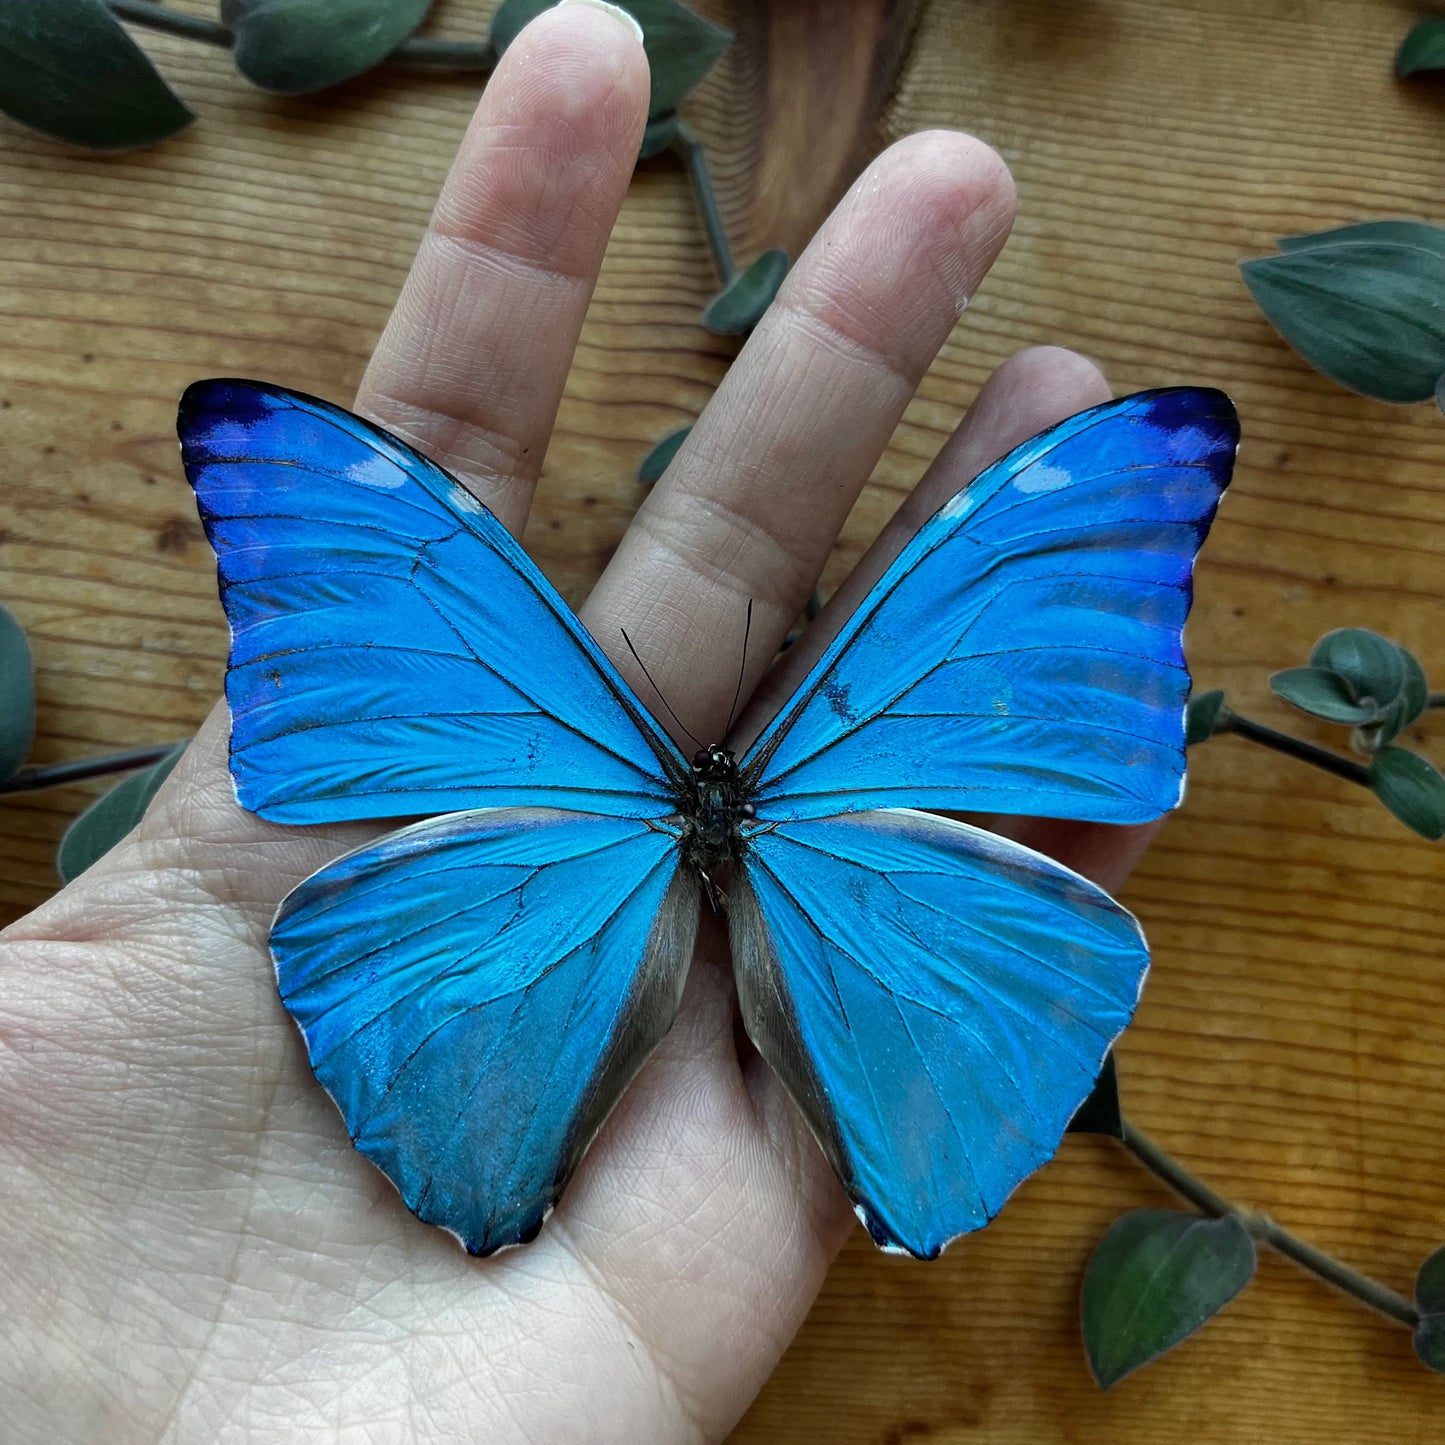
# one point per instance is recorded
(191, 1249)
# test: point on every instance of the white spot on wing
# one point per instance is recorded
(961, 505)
(1041, 477)
(464, 501)
(376, 470)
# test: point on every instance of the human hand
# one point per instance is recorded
(192, 1249)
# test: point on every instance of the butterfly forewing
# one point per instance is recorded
(1023, 654)
(394, 651)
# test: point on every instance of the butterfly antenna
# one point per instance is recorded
(655, 687)
(742, 670)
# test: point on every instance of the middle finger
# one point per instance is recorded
(753, 502)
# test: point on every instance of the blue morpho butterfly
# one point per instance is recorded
(476, 991)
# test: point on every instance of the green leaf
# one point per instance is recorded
(97, 830)
(1430, 1301)
(660, 134)
(1430, 1342)
(681, 46)
(17, 696)
(657, 461)
(1099, 1113)
(1157, 1276)
(1369, 666)
(294, 47)
(1323, 694)
(1368, 314)
(1415, 694)
(1413, 699)
(1411, 788)
(69, 69)
(1430, 1284)
(1201, 718)
(1408, 233)
(739, 306)
(1362, 678)
(1422, 49)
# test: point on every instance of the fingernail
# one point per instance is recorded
(616, 11)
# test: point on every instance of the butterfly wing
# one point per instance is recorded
(394, 651)
(937, 1000)
(476, 991)
(1023, 653)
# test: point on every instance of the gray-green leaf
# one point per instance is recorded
(1411, 788)
(657, 461)
(1156, 1277)
(1408, 233)
(1201, 718)
(294, 47)
(739, 306)
(1369, 665)
(659, 134)
(1100, 1113)
(97, 830)
(1323, 694)
(1430, 1284)
(17, 696)
(69, 69)
(1430, 1301)
(681, 46)
(1423, 48)
(1368, 314)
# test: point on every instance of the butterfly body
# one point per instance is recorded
(713, 814)
(475, 991)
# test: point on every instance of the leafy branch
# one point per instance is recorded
(1158, 1275)
(1358, 679)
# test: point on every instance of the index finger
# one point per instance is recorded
(471, 366)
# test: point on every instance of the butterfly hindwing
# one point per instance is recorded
(475, 992)
(1023, 653)
(394, 651)
(937, 1000)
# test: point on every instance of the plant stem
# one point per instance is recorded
(459, 55)
(1264, 1229)
(1347, 768)
(467, 57)
(173, 22)
(690, 148)
(28, 780)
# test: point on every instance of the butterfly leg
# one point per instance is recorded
(716, 896)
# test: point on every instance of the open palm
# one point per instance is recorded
(192, 1249)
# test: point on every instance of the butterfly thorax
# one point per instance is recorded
(713, 808)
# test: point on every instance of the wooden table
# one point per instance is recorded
(1291, 1043)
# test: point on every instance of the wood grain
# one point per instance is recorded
(1291, 1041)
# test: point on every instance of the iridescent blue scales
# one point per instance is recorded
(476, 991)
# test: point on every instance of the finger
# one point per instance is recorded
(1030, 391)
(471, 366)
(754, 500)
